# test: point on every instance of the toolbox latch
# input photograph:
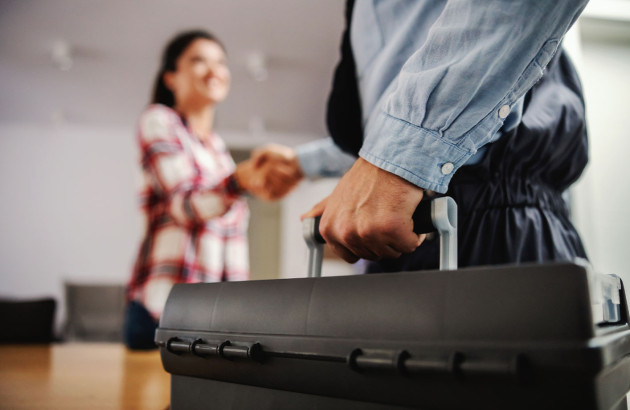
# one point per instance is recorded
(436, 365)
(224, 349)
(374, 359)
(178, 346)
(250, 351)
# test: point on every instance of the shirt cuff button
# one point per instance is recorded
(504, 111)
(447, 168)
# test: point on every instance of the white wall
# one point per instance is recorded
(69, 208)
(601, 197)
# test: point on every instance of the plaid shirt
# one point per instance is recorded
(196, 222)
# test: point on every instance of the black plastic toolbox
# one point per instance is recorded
(521, 337)
(552, 336)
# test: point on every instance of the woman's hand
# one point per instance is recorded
(278, 169)
(270, 174)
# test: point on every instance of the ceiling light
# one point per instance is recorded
(257, 65)
(61, 55)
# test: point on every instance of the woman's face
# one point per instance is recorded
(202, 75)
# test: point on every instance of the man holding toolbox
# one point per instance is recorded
(473, 99)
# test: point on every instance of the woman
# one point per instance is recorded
(196, 220)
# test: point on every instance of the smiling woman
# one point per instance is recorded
(194, 71)
(196, 219)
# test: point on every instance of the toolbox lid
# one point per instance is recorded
(525, 303)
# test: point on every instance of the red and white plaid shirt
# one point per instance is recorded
(196, 222)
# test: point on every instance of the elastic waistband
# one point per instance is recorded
(506, 193)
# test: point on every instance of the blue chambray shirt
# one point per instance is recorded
(438, 80)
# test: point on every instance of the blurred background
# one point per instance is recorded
(74, 76)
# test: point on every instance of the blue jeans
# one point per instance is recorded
(139, 327)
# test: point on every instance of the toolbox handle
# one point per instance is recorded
(436, 215)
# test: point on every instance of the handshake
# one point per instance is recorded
(271, 172)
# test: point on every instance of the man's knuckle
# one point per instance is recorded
(347, 235)
(365, 232)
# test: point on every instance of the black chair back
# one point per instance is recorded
(27, 321)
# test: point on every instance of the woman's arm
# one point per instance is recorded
(172, 171)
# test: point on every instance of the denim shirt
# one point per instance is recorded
(438, 80)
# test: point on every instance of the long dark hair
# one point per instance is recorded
(175, 48)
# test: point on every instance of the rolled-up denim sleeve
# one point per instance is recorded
(453, 94)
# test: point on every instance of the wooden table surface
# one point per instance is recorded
(81, 376)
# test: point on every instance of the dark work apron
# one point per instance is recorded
(510, 205)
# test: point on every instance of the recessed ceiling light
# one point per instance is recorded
(61, 55)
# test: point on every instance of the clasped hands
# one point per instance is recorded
(271, 173)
